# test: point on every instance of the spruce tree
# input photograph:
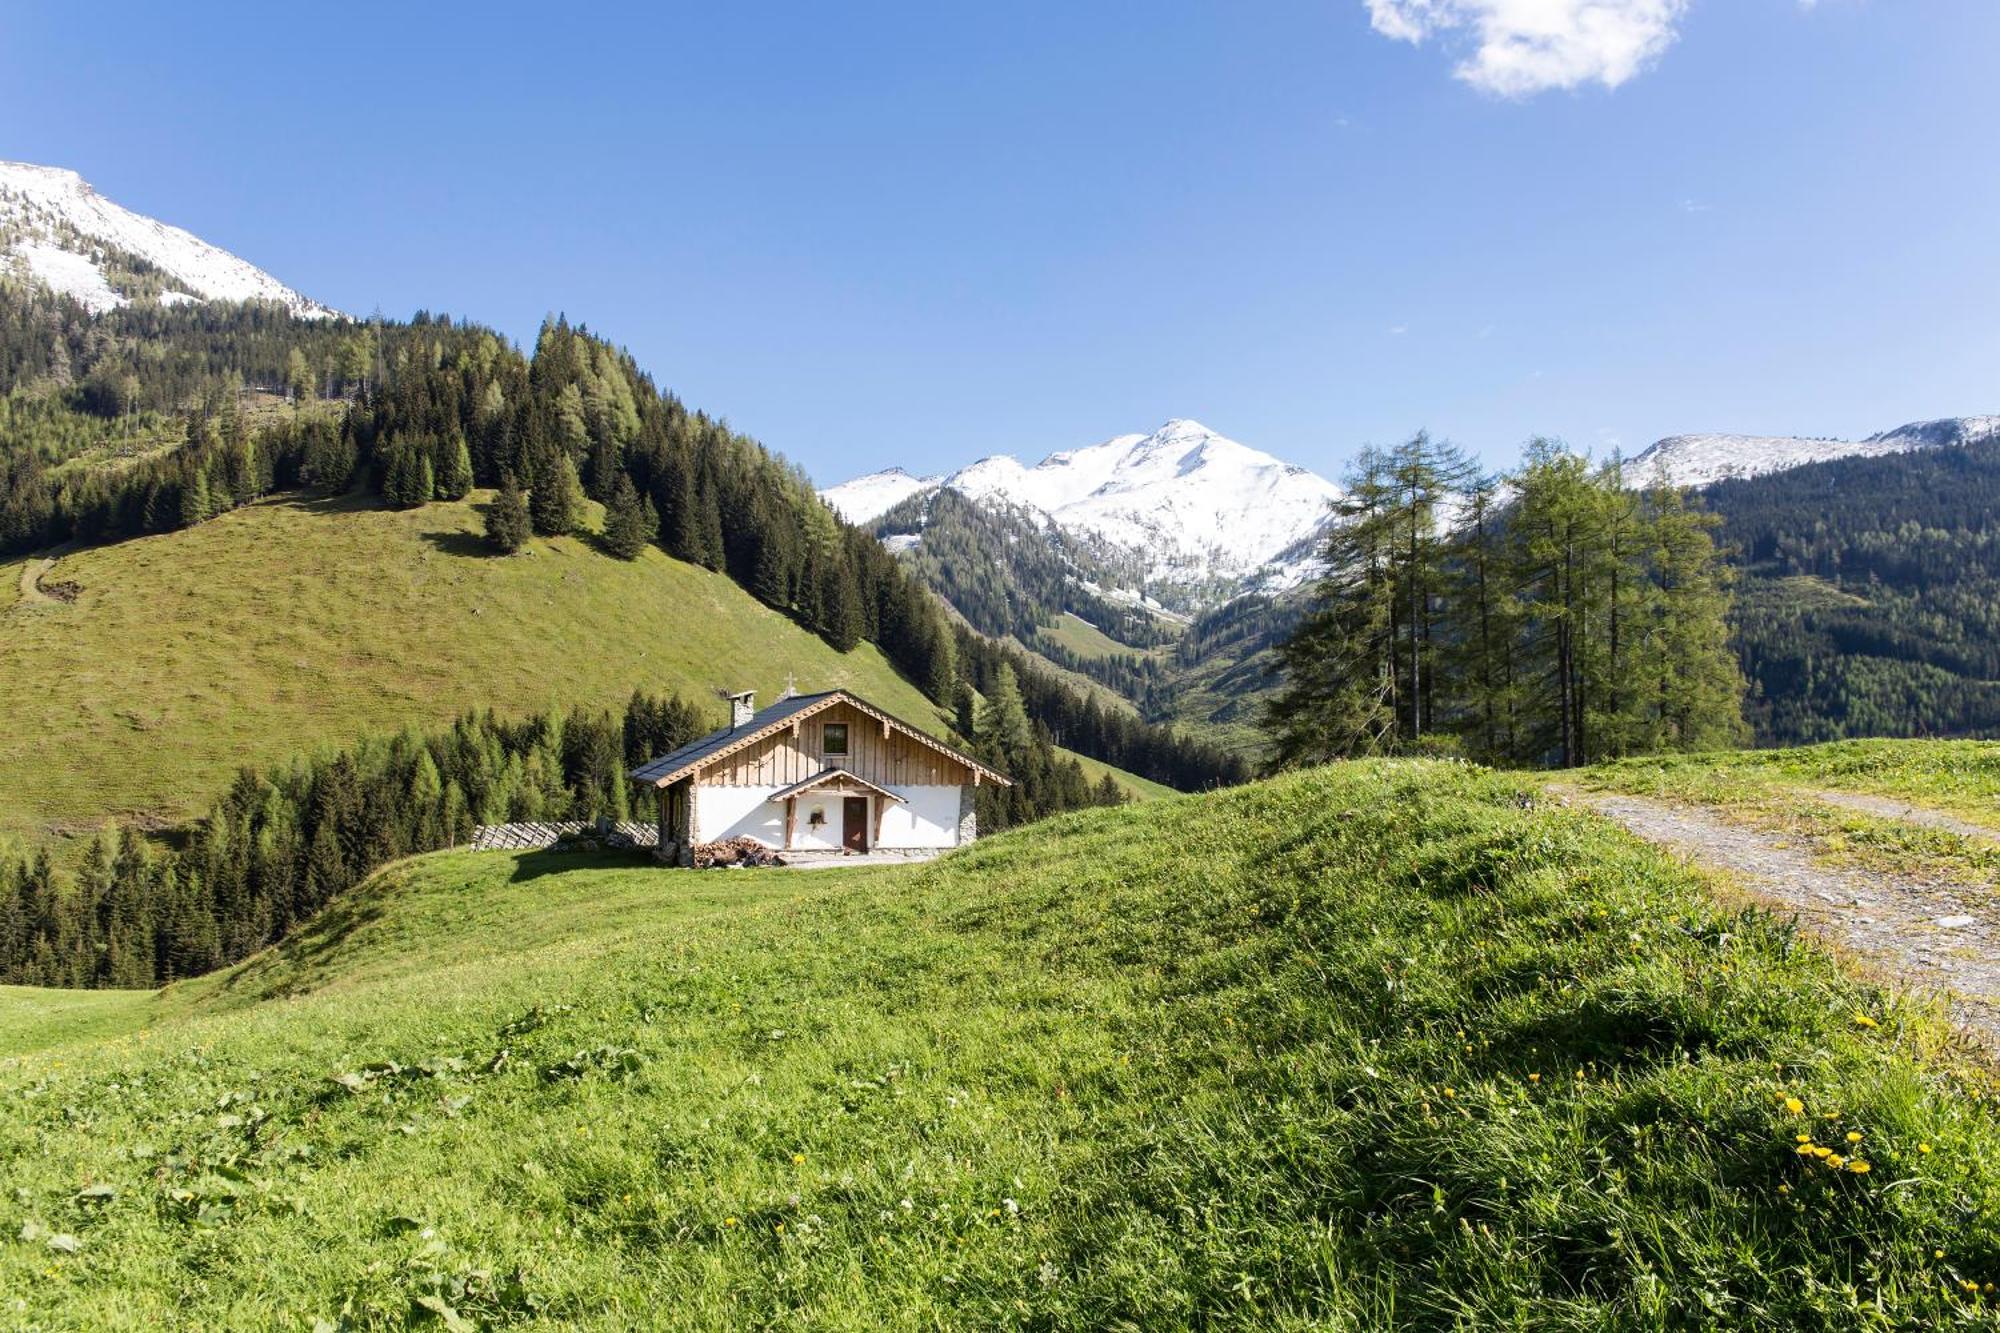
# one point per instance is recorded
(555, 505)
(507, 519)
(630, 525)
(452, 465)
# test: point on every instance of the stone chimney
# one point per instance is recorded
(742, 707)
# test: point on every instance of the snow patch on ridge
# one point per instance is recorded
(55, 229)
(1702, 460)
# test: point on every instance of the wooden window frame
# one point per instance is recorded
(846, 739)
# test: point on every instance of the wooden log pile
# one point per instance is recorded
(734, 852)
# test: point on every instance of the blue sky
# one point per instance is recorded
(916, 234)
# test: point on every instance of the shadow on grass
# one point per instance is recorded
(469, 544)
(306, 948)
(534, 865)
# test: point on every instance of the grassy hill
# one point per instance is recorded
(293, 623)
(1377, 1045)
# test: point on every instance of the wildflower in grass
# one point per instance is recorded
(1854, 1136)
(1937, 1254)
(1859, 1167)
(798, 1159)
(1794, 1105)
(1836, 1161)
(1807, 1150)
(1449, 1093)
(1924, 1148)
(1863, 1020)
(729, 1221)
(1534, 1078)
(1803, 1138)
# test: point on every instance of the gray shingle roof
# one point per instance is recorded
(767, 720)
(718, 741)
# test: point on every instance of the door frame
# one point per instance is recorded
(854, 830)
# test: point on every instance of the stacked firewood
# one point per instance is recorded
(734, 852)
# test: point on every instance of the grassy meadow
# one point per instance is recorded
(1385, 1044)
(293, 623)
(1780, 790)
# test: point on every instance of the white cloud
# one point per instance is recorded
(1523, 47)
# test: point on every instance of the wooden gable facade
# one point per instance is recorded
(868, 747)
(760, 773)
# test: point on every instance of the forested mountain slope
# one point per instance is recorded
(1870, 604)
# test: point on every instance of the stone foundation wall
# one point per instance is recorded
(968, 816)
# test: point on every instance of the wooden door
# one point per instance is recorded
(854, 823)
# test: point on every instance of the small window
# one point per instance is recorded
(833, 738)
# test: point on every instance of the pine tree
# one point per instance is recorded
(507, 519)
(555, 505)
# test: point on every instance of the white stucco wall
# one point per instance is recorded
(825, 838)
(738, 812)
(925, 817)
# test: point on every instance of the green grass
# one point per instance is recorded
(291, 625)
(1379, 1045)
(1774, 789)
(1085, 639)
(1962, 777)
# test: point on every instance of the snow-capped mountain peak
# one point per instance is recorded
(58, 232)
(1190, 506)
(865, 499)
(1701, 460)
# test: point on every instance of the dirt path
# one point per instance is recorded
(1936, 938)
(35, 571)
(1887, 807)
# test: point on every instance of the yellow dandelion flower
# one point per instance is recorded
(1923, 1147)
(1836, 1161)
(1449, 1093)
(1806, 1150)
(1937, 1254)
(1802, 1138)
(1865, 1021)
(1854, 1136)
(798, 1159)
(1534, 1078)
(729, 1221)
(1794, 1105)
(1859, 1167)
(1819, 1151)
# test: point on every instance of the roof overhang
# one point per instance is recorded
(752, 735)
(829, 777)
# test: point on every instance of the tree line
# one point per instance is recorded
(282, 843)
(1870, 603)
(1554, 616)
(427, 409)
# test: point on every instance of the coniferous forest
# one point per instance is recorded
(146, 420)
(427, 410)
(280, 845)
(1551, 617)
(1870, 599)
